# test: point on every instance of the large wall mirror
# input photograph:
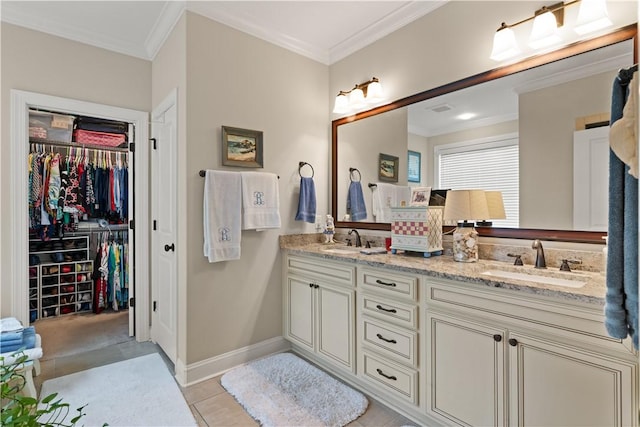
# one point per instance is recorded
(542, 106)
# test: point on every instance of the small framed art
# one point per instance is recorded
(420, 196)
(388, 168)
(241, 147)
(413, 166)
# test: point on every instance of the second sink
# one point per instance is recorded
(555, 281)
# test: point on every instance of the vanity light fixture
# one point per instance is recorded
(592, 16)
(362, 94)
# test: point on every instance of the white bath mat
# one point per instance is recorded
(284, 390)
(134, 392)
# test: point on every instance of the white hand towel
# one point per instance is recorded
(260, 201)
(222, 210)
(10, 324)
(385, 196)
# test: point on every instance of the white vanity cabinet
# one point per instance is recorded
(496, 358)
(319, 308)
(388, 332)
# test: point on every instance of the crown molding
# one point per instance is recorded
(390, 23)
(169, 16)
(14, 16)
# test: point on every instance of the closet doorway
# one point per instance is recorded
(79, 254)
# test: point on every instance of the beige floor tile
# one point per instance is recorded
(201, 422)
(223, 410)
(203, 390)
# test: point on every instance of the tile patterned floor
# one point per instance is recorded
(210, 404)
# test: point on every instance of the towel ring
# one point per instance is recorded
(351, 171)
(301, 164)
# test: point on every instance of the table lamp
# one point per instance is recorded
(465, 206)
(496, 208)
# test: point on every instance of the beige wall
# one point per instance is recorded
(546, 152)
(37, 62)
(365, 140)
(237, 80)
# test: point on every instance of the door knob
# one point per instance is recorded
(171, 248)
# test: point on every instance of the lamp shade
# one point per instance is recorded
(462, 205)
(356, 98)
(592, 16)
(495, 205)
(374, 91)
(341, 104)
(545, 31)
(504, 44)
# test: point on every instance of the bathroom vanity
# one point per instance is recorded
(445, 343)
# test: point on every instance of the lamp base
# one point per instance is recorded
(465, 244)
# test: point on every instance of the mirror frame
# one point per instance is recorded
(625, 33)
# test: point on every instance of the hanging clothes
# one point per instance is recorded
(621, 300)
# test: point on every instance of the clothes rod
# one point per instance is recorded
(203, 173)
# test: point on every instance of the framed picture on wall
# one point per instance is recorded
(388, 168)
(413, 166)
(241, 147)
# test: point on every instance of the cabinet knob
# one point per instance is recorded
(513, 342)
(497, 337)
(311, 285)
(316, 286)
(171, 248)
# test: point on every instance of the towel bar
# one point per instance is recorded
(203, 173)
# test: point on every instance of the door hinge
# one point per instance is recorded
(154, 143)
(132, 302)
(155, 305)
(132, 146)
(131, 224)
(155, 225)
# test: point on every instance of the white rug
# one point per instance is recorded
(134, 392)
(284, 390)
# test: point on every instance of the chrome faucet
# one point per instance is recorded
(358, 241)
(540, 262)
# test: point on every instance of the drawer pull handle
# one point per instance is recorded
(388, 310)
(380, 337)
(386, 376)
(380, 282)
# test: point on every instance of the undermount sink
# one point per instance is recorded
(348, 250)
(555, 281)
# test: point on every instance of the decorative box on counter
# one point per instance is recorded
(417, 229)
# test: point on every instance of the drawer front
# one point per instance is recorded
(382, 308)
(389, 283)
(400, 381)
(394, 342)
(322, 269)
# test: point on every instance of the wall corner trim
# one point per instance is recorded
(193, 373)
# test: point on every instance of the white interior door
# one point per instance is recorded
(591, 179)
(164, 292)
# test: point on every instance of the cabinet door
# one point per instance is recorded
(556, 385)
(336, 324)
(300, 320)
(465, 381)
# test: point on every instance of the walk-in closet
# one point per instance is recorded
(80, 259)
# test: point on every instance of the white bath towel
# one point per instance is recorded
(385, 196)
(260, 201)
(222, 210)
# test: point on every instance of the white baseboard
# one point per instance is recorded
(193, 373)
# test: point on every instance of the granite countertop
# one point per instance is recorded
(444, 267)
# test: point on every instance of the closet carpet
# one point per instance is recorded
(79, 333)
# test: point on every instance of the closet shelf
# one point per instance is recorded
(124, 149)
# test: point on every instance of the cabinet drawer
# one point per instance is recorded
(389, 283)
(394, 342)
(396, 379)
(321, 269)
(382, 308)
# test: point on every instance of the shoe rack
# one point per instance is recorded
(59, 277)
